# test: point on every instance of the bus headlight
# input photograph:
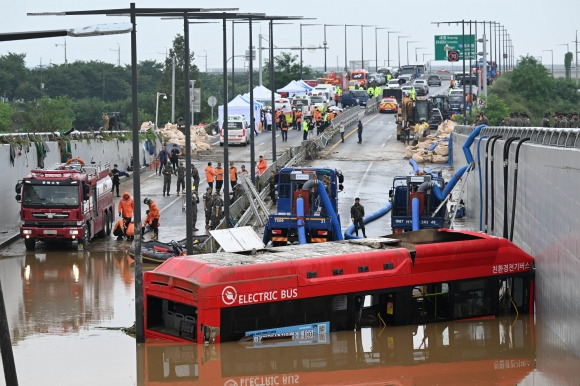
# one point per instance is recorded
(27, 232)
(73, 232)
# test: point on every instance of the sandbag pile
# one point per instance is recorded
(199, 137)
(440, 150)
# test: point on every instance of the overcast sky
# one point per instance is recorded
(533, 26)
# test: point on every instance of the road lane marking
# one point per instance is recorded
(353, 131)
(363, 179)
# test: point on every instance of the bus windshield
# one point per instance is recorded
(50, 196)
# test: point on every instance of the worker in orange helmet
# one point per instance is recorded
(262, 165)
(154, 215)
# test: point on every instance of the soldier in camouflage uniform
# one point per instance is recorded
(562, 121)
(207, 204)
(546, 120)
(511, 120)
(575, 123)
(180, 177)
(357, 213)
(216, 210)
(517, 120)
(526, 120)
(194, 202)
(556, 123)
(167, 172)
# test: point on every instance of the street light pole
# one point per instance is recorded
(362, 52)
(389, 46)
(325, 42)
(376, 48)
(345, 58)
(157, 106)
(417, 48)
(409, 41)
(399, 47)
(303, 25)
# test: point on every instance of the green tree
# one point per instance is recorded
(6, 112)
(286, 69)
(568, 64)
(12, 72)
(531, 80)
(495, 110)
(49, 115)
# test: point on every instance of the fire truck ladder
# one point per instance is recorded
(254, 195)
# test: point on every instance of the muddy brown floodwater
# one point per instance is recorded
(66, 310)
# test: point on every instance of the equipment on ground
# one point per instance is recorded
(412, 112)
(307, 211)
(70, 201)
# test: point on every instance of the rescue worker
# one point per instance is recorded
(526, 120)
(126, 208)
(119, 229)
(262, 165)
(272, 186)
(219, 178)
(233, 175)
(305, 129)
(167, 172)
(194, 202)
(207, 203)
(371, 91)
(339, 93)
(277, 118)
(517, 120)
(163, 157)
(216, 211)
(546, 120)
(180, 177)
(284, 129)
(575, 122)
(378, 91)
(298, 119)
(412, 93)
(357, 214)
(154, 216)
(209, 175)
(238, 192)
(389, 76)
(115, 173)
(195, 175)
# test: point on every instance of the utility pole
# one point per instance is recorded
(118, 54)
(64, 45)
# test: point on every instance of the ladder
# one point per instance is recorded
(254, 195)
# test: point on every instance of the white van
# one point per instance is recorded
(285, 105)
(304, 104)
(328, 91)
(237, 131)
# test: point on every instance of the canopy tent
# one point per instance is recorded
(262, 94)
(240, 106)
(293, 88)
(305, 85)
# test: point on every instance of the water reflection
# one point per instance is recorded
(484, 352)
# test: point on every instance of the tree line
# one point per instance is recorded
(61, 97)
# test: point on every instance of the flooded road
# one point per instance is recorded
(66, 311)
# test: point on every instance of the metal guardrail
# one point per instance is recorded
(566, 138)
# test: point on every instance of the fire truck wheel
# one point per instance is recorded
(108, 224)
(86, 237)
(29, 243)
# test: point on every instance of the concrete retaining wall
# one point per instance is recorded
(113, 151)
(547, 219)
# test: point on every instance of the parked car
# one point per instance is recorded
(394, 83)
(354, 98)
(421, 87)
(434, 80)
(388, 105)
(436, 119)
(237, 131)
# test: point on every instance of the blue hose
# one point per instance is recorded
(432, 147)
(480, 183)
(441, 194)
(415, 213)
(348, 233)
(413, 163)
(469, 142)
(330, 210)
(300, 222)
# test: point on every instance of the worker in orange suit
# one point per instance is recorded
(154, 214)
(209, 175)
(126, 207)
(219, 177)
(262, 165)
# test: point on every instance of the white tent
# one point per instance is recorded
(240, 106)
(293, 88)
(262, 94)
(306, 86)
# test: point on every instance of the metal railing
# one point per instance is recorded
(566, 138)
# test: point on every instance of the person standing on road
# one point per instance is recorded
(269, 120)
(284, 129)
(262, 165)
(195, 176)
(238, 192)
(207, 203)
(116, 179)
(167, 172)
(219, 178)
(305, 129)
(163, 156)
(272, 186)
(233, 175)
(341, 130)
(359, 131)
(357, 214)
(216, 211)
(209, 175)
(244, 170)
(180, 177)
(126, 208)
(194, 202)
(154, 215)
(173, 156)
(298, 119)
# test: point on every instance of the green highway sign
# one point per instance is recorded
(450, 47)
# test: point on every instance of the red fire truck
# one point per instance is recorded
(68, 202)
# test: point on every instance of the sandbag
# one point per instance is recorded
(441, 149)
(439, 159)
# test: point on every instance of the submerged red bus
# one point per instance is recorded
(409, 278)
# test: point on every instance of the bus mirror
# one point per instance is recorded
(391, 193)
(18, 198)
(18, 187)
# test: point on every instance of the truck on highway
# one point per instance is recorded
(441, 102)
(307, 207)
(70, 201)
(412, 112)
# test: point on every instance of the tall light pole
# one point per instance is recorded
(157, 106)
(303, 25)
(552, 51)
(389, 46)
(418, 48)
(377, 47)
(118, 54)
(362, 50)
(345, 58)
(399, 47)
(325, 42)
(409, 41)
(64, 45)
